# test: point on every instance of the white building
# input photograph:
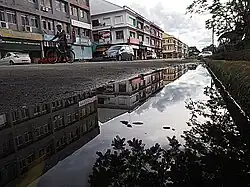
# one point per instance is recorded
(113, 24)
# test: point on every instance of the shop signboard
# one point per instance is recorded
(105, 37)
(21, 35)
(133, 41)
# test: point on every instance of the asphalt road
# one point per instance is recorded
(25, 85)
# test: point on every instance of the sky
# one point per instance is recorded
(171, 16)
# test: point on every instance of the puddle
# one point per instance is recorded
(168, 110)
(68, 132)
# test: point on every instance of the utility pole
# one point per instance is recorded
(213, 35)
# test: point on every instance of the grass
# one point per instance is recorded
(235, 75)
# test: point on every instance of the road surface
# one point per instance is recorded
(27, 85)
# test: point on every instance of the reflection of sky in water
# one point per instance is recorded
(167, 108)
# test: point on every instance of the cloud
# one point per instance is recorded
(172, 18)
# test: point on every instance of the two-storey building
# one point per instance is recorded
(29, 25)
(113, 24)
(173, 47)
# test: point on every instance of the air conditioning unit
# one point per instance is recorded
(4, 24)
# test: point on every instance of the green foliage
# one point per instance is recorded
(214, 154)
(230, 16)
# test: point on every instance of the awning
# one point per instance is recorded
(9, 44)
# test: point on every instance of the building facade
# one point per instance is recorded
(34, 139)
(173, 47)
(113, 24)
(29, 25)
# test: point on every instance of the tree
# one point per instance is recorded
(214, 154)
(230, 19)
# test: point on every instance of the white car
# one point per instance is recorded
(151, 55)
(15, 58)
(205, 54)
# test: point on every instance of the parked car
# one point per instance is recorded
(120, 52)
(15, 58)
(205, 54)
(151, 55)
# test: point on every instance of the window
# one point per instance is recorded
(24, 113)
(42, 2)
(132, 34)
(50, 27)
(28, 137)
(122, 87)
(82, 13)
(44, 23)
(11, 16)
(22, 164)
(58, 121)
(139, 25)
(32, 1)
(34, 22)
(2, 17)
(25, 20)
(95, 22)
(132, 21)
(87, 33)
(14, 114)
(46, 128)
(73, 11)
(30, 158)
(69, 119)
(63, 7)
(147, 39)
(19, 140)
(45, 3)
(107, 21)
(58, 5)
(42, 152)
(140, 37)
(119, 35)
(82, 113)
(152, 42)
(118, 19)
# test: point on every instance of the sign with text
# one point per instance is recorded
(22, 35)
(87, 101)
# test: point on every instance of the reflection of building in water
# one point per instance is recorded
(172, 73)
(35, 139)
(130, 93)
